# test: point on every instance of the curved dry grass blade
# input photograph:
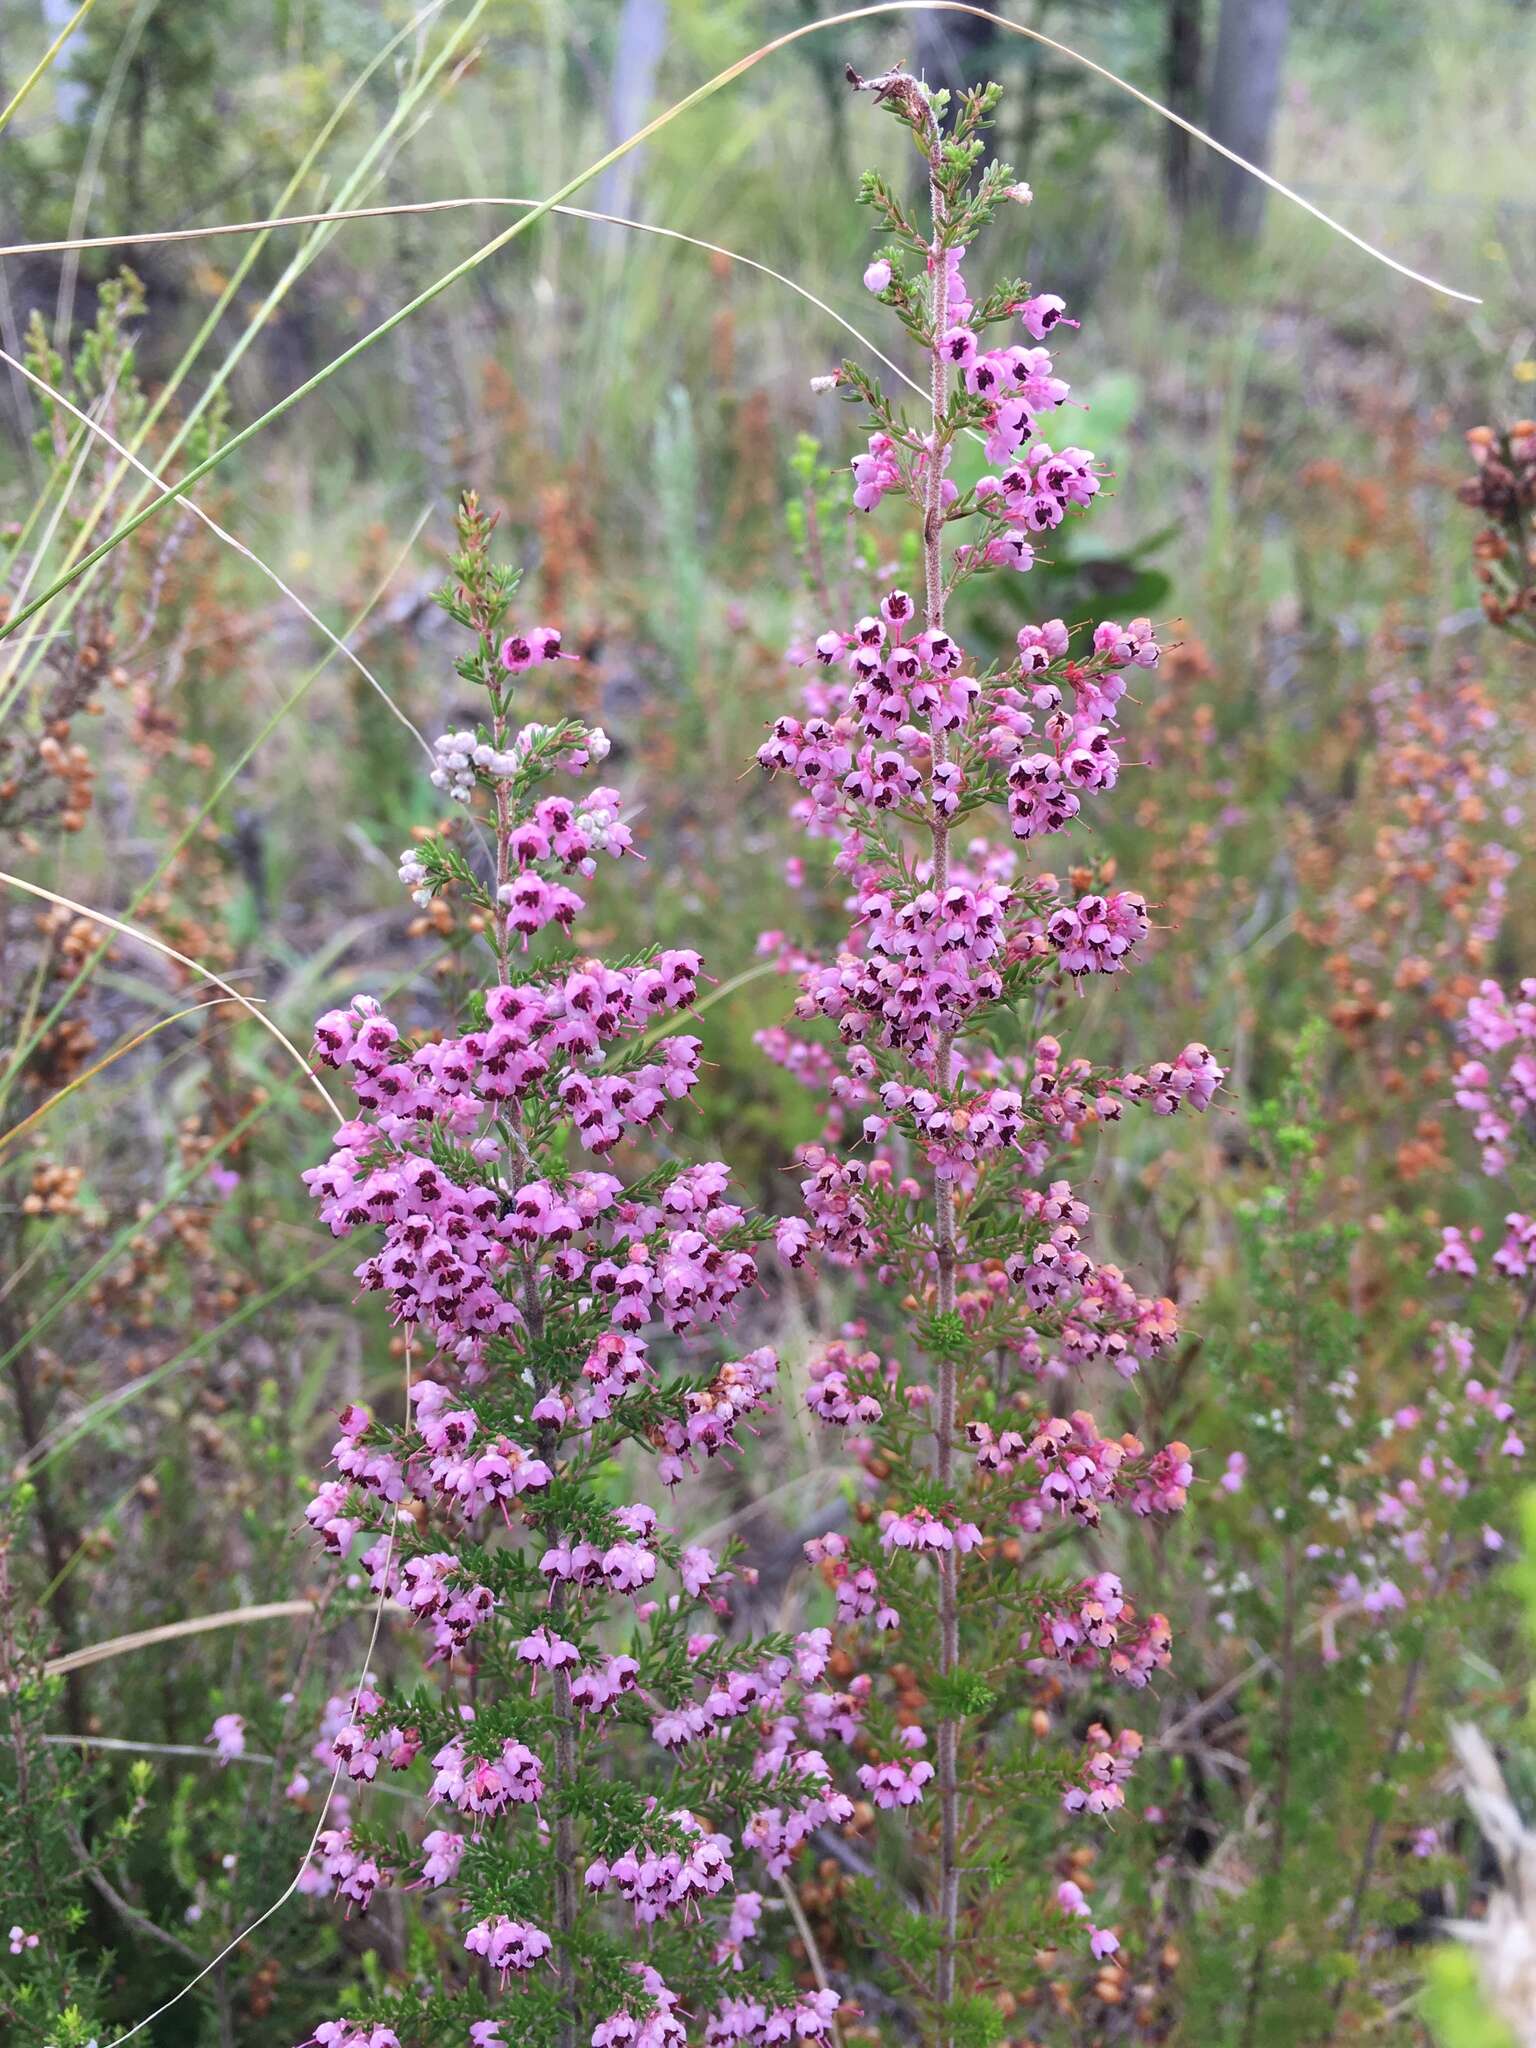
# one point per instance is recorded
(203, 973)
(19, 96)
(123, 1046)
(572, 185)
(586, 213)
(230, 540)
(175, 1631)
(35, 1028)
(131, 1748)
(735, 71)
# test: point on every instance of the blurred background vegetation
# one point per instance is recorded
(1284, 420)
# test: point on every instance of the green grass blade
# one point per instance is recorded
(18, 98)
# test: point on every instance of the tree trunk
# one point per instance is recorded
(954, 50)
(1182, 52)
(1245, 89)
(640, 44)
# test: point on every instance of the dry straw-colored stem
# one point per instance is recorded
(459, 205)
(125, 1045)
(223, 534)
(144, 938)
(807, 1935)
(174, 1631)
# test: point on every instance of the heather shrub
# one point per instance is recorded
(945, 1466)
(498, 1505)
(991, 1668)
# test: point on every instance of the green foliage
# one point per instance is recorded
(977, 2022)
(959, 1695)
(1453, 2005)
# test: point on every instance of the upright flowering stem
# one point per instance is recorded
(563, 1747)
(572, 1720)
(946, 1110)
(943, 1193)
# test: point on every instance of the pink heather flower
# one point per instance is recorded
(877, 276)
(896, 1784)
(875, 473)
(443, 1853)
(1517, 1255)
(1041, 645)
(746, 1912)
(1383, 1598)
(228, 1734)
(20, 1939)
(1043, 312)
(349, 2034)
(1096, 935)
(521, 650)
(508, 1945)
(1454, 1255)
(1120, 646)
(1011, 550)
(1104, 1942)
(919, 1530)
(552, 1652)
(1106, 1766)
(1231, 1480)
(958, 346)
(697, 1570)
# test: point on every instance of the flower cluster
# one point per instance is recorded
(1496, 1080)
(1503, 488)
(935, 773)
(1103, 1771)
(450, 1243)
(557, 1316)
(1097, 1626)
